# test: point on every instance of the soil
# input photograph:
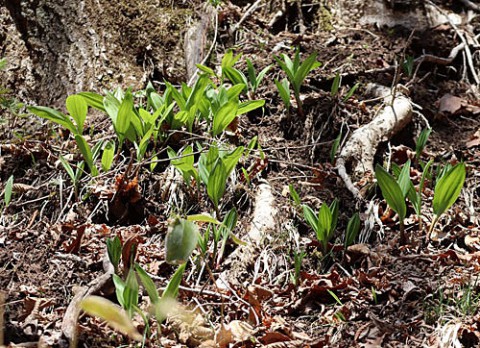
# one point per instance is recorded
(53, 241)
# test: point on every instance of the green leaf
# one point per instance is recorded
(114, 316)
(3, 63)
(324, 223)
(77, 107)
(217, 182)
(336, 85)
(125, 114)
(448, 189)
(114, 250)
(148, 284)
(182, 238)
(236, 76)
(119, 289)
(284, 91)
(353, 227)
(422, 141)
(335, 145)
(203, 218)
(231, 159)
(294, 195)
(205, 69)
(7, 193)
(130, 293)
(310, 217)
(260, 77)
(171, 291)
(54, 116)
(87, 153)
(334, 211)
(94, 100)
(404, 179)
(68, 168)
(250, 105)
(351, 91)
(224, 117)
(391, 191)
(207, 162)
(108, 155)
(308, 65)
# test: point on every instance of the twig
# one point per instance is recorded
(245, 16)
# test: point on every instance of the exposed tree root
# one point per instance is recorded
(359, 151)
(263, 222)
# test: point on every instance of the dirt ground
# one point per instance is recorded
(423, 294)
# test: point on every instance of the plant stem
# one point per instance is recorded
(403, 237)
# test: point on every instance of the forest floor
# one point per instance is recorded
(374, 293)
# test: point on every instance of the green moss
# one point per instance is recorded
(325, 19)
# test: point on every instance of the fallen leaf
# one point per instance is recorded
(449, 104)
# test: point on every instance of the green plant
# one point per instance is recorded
(447, 191)
(7, 101)
(296, 72)
(422, 142)
(75, 175)
(353, 227)
(335, 145)
(323, 223)
(298, 257)
(395, 193)
(7, 191)
(415, 197)
(284, 90)
(295, 196)
(114, 250)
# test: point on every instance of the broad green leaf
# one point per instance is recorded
(224, 117)
(206, 69)
(207, 162)
(114, 250)
(111, 105)
(448, 189)
(391, 191)
(3, 63)
(148, 284)
(353, 227)
(93, 99)
(310, 217)
(108, 155)
(182, 238)
(233, 92)
(7, 193)
(307, 66)
(125, 115)
(404, 179)
(324, 221)
(119, 289)
(217, 182)
(114, 316)
(231, 159)
(77, 107)
(250, 105)
(130, 293)
(236, 76)
(54, 116)
(203, 218)
(287, 66)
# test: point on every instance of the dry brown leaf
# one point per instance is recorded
(449, 104)
(474, 140)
